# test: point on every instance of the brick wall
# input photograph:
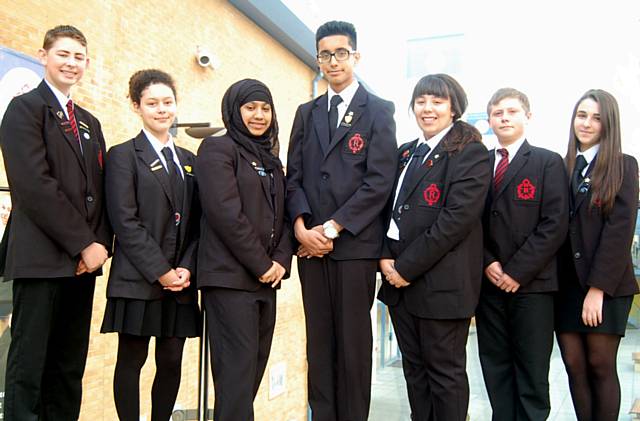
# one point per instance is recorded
(128, 35)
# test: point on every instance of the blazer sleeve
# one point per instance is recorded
(297, 203)
(551, 231)
(368, 201)
(222, 206)
(468, 185)
(104, 230)
(283, 253)
(141, 249)
(33, 186)
(189, 258)
(617, 233)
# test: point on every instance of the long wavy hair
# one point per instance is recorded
(606, 177)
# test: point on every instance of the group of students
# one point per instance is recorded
(455, 230)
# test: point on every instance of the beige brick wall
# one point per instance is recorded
(128, 35)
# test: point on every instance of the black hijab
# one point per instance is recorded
(266, 147)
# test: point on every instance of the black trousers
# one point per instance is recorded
(337, 297)
(49, 343)
(240, 327)
(434, 363)
(515, 340)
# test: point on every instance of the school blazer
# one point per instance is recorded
(441, 230)
(349, 180)
(241, 232)
(525, 222)
(57, 192)
(142, 212)
(599, 247)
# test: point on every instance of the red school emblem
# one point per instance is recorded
(356, 143)
(431, 194)
(526, 190)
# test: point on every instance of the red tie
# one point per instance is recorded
(501, 168)
(72, 120)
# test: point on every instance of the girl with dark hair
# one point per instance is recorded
(597, 281)
(152, 204)
(433, 249)
(245, 249)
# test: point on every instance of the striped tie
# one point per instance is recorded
(72, 120)
(501, 168)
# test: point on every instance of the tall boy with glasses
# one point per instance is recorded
(341, 169)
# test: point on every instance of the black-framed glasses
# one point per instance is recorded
(341, 54)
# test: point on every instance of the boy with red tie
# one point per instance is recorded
(58, 234)
(525, 222)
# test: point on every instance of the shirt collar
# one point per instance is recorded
(346, 94)
(62, 98)
(433, 142)
(157, 145)
(512, 149)
(590, 153)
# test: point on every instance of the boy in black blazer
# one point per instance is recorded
(525, 222)
(58, 234)
(340, 172)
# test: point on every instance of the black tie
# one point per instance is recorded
(576, 177)
(333, 115)
(177, 184)
(410, 173)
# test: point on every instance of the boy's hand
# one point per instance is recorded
(494, 272)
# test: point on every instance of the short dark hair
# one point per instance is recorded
(142, 79)
(443, 86)
(503, 93)
(63, 31)
(336, 27)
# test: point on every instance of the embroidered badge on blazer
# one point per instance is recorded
(526, 190)
(356, 143)
(431, 194)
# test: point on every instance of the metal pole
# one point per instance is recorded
(203, 372)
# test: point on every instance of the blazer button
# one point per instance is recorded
(325, 176)
(495, 213)
(406, 207)
(89, 198)
(577, 255)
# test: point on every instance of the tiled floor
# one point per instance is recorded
(389, 399)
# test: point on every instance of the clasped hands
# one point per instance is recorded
(312, 241)
(176, 279)
(91, 258)
(499, 278)
(387, 267)
(274, 275)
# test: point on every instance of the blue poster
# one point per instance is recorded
(19, 74)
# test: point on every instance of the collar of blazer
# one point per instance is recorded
(254, 162)
(434, 160)
(521, 158)
(62, 122)
(148, 155)
(321, 119)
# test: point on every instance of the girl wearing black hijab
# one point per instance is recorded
(245, 247)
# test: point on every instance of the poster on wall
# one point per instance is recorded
(18, 74)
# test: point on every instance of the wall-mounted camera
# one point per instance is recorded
(206, 58)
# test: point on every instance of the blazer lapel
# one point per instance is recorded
(320, 115)
(88, 152)
(354, 112)
(583, 192)
(521, 158)
(63, 122)
(188, 192)
(432, 161)
(148, 155)
(264, 177)
(492, 164)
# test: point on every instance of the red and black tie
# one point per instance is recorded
(501, 169)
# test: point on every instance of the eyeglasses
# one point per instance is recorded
(341, 54)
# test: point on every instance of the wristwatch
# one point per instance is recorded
(330, 230)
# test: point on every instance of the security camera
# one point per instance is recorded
(203, 57)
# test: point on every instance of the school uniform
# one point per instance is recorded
(56, 182)
(597, 253)
(346, 177)
(156, 227)
(525, 222)
(436, 241)
(242, 232)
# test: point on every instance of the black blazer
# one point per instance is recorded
(241, 232)
(598, 248)
(440, 248)
(526, 221)
(348, 181)
(142, 212)
(57, 192)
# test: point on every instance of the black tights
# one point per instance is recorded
(132, 354)
(590, 360)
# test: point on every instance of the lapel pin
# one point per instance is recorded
(154, 163)
(436, 157)
(348, 117)
(60, 114)
(156, 168)
(253, 163)
(587, 180)
(83, 124)
(86, 136)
